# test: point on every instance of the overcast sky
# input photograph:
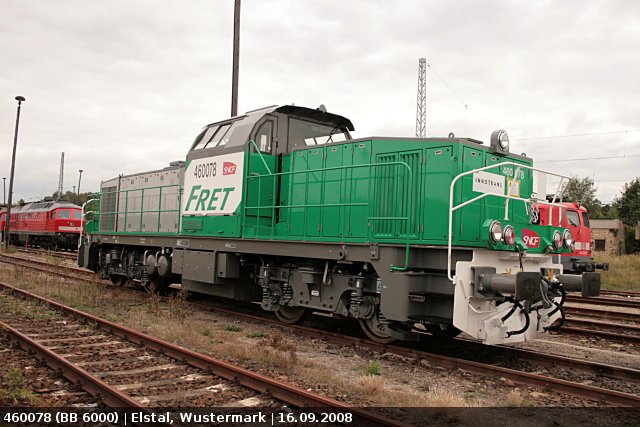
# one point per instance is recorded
(124, 86)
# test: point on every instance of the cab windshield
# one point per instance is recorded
(573, 218)
(302, 132)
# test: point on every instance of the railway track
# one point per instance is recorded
(126, 368)
(49, 268)
(44, 252)
(629, 293)
(594, 313)
(611, 331)
(556, 384)
(604, 301)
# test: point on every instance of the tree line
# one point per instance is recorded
(626, 206)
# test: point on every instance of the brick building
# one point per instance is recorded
(608, 236)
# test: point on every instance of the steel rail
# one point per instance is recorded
(56, 254)
(287, 393)
(628, 293)
(95, 386)
(613, 327)
(614, 302)
(47, 267)
(601, 314)
(612, 336)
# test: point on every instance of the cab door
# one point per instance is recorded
(261, 183)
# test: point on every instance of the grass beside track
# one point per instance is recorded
(623, 274)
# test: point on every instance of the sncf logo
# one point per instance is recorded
(530, 238)
(228, 168)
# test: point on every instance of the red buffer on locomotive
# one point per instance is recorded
(576, 218)
(50, 225)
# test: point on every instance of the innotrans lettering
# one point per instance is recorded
(488, 181)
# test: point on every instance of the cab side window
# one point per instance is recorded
(585, 219)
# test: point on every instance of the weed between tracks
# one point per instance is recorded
(13, 391)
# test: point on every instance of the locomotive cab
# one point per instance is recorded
(275, 130)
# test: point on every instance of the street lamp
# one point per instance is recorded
(79, 178)
(7, 221)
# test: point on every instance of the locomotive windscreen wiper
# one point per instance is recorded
(330, 137)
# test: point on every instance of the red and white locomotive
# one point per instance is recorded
(576, 218)
(50, 225)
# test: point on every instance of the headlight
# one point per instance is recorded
(500, 141)
(495, 232)
(568, 239)
(509, 235)
(557, 240)
(503, 141)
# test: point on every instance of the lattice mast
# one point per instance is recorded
(421, 109)
(61, 176)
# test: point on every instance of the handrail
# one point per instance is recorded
(142, 211)
(82, 219)
(407, 218)
(508, 197)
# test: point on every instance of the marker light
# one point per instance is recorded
(568, 239)
(509, 235)
(557, 240)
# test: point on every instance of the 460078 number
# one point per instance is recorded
(27, 417)
(205, 170)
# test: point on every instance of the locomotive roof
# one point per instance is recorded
(240, 127)
(475, 143)
(319, 115)
(45, 206)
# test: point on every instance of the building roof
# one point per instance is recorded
(610, 224)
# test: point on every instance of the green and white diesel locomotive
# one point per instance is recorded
(409, 236)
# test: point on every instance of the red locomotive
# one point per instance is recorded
(576, 219)
(50, 225)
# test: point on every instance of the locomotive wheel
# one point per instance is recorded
(375, 330)
(449, 332)
(118, 280)
(290, 315)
